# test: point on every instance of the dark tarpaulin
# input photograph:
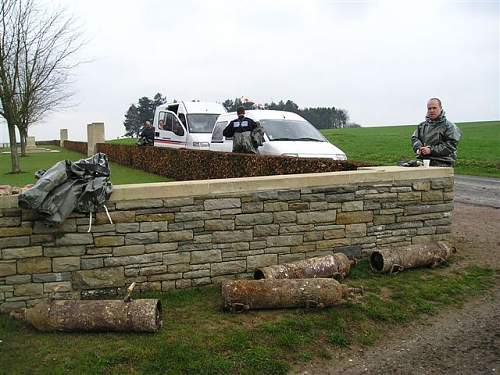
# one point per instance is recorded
(81, 186)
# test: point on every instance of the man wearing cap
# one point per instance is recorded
(436, 138)
(241, 131)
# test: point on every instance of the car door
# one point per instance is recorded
(171, 131)
(218, 141)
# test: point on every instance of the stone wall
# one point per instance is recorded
(184, 234)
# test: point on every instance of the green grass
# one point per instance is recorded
(123, 141)
(197, 338)
(44, 160)
(478, 151)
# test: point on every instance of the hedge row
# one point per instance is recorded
(182, 164)
(47, 143)
(80, 147)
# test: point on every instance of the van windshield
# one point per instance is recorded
(291, 130)
(201, 123)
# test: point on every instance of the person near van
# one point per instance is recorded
(242, 130)
(436, 138)
(147, 135)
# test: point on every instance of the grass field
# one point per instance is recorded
(197, 338)
(478, 151)
(33, 162)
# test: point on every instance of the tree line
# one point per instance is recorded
(320, 117)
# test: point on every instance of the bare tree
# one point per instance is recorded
(37, 48)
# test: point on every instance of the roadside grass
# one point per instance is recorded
(197, 338)
(123, 141)
(478, 151)
(44, 160)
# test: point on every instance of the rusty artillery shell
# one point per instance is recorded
(397, 259)
(142, 315)
(242, 295)
(336, 265)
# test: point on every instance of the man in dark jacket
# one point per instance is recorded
(241, 132)
(436, 138)
(147, 135)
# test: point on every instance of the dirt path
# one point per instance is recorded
(463, 340)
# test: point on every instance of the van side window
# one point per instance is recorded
(161, 120)
(169, 122)
(217, 133)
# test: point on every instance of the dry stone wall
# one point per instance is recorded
(180, 242)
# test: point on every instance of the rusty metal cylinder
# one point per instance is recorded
(142, 315)
(336, 265)
(397, 259)
(242, 295)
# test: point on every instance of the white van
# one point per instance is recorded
(186, 124)
(285, 133)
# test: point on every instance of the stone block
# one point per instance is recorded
(99, 250)
(428, 208)
(433, 215)
(182, 284)
(7, 268)
(201, 281)
(354, 217)
(333, 233)
(298, 206)
(275, 206)
(410, 196)
(381, 196)
(22, 252)
(400, 189)
(154, 226)
(289, 195)
(10, 221)
(15, 231)
(17, 279)
(141, 238)
(99, 278)
(188, 225)
(329, 244)
(352, 206)
(442, 183)
(195, 216)
(14, 242)
(264, 195)
(432, 196)
(290, 240)
(174, 258)
(355, 230)
(167, 285)
(214, 225)
(57, 287)
(51, 277)
(69, 225)
(97, 228)
(342, 197)
(383, 219)
(65, 264)
(293, 228)
(317, 206)
(226, 268)
(128, 250)
(133, 259)
(232, 236)
(154, 270)
(143, 203)
(127, 227)
(288, 258)
(316, 197)
(116, 216)
(252, 207)
(64, 251)
(196, 274)
(206, 256)
(180, 267)
(109, 241)
(30, 289)
(263, 260)
(313, 236)
(168, 216)
(316, 217)
(161, 247)
(75, 239)
(91, 263)
(42, 239)
(254, 219)
(182, 235)
(285, 217)
(218, 204)
(34, 265)
(421, 185)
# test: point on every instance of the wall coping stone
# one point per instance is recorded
(177, 189)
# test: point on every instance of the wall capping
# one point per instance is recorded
(177, 189)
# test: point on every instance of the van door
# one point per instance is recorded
(171, 131)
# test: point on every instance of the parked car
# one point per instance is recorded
(186, 124)
(285, 133)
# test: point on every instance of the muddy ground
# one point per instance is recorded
(463, 340)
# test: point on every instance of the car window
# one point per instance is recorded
(219, 127)
(169, 122)
(291, 130)
(201, 123)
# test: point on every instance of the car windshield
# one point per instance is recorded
(201, 123)
(291, 130)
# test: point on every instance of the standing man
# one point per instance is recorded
(436, 138)
(241, 131)
(147, 135)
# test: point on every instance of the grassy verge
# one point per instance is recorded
(478, 151)
(197, 338)
(44, 160)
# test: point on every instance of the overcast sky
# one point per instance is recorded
(379, 60)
